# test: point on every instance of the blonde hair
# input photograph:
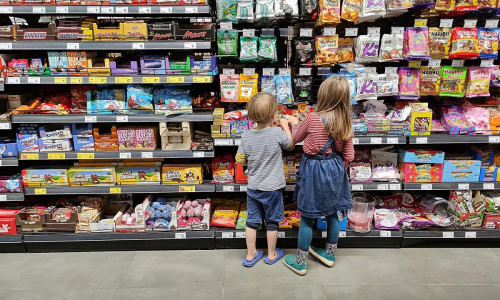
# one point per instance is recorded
(335, 104)
(262, 107)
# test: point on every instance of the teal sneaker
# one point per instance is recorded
(327, 259)
(291, 262)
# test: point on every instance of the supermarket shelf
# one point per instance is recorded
(450, 237)
(160, 79)
(119, 189)
(113, 155)
(410, 186)
(11, 197)
(116, 45)
(5, 125)
(229, 188)
(379, 140)
(9, 162)
(376, 186)
(454, 139)
(104, 9)
(12, 244)
(85, 118)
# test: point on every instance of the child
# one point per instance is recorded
(322, 185)
(261, 150)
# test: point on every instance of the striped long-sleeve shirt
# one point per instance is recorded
(312, 132)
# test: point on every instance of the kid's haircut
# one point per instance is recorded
(334, 102)
(262, 107)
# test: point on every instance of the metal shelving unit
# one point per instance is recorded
(119, 119)
(113, 45)
(120, 189)
(104, 9)
(436, 139)
(138, 79)
(9, 162)
(71, 155)
(14, 197)
(409, 186)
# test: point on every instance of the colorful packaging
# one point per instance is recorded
(91, 176)
(371, 9)
(486, 4)
(488, 43)
(248, 87)
(444, 5)
(453, 81)
(302, 88)
(264, 9)
(225, 214)
(182, 174)
(387, 85)
(367, 47)
(391, 47)
(350, 10)
(44, 177)
(58, 62)
(464, 43)
(105, 101)
(248, 48)
(430, 80)
(227, 43)
(409, 83)
(346, 50)
(227, 10)
(416, 43)
(139, 99)
(478, 82)
(303, 51)
(385, 219)
(284, 92)
(223, 169)
(366, 86)
(326, 50)
(244, 10)
(268, 85)
(439, 42)
(229, 88)
(172, 100)
(267, 48)
(465, 5)
(329, 12)
(241, 223)
(308, 9)
(77, 63)
(286, 8)
(138, 175)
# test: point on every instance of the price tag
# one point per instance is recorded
(382, 187)
(125, 155)
(187, 188)
(115, 190)
(470, 234)
(391, 70)
(329, 31)
(56, 155)
(198, 154)
(420, 22)
(385, 233)
(237, 142)
(351, 31)
(107, 10)
(121, 10)
(488, 186)
(90, 119)
(38, 10)
(414, 64)
(357, 187)
(243, 188)
(201, 79)
(30, 156)
(121, 118)
(343, 234)
(285, 72)
(392, 141)
(421, 140)
(223, 142)
(191, 9)
(226, 25)
(13, 80)
(434, 63)
(61, 9)
(60, 80)
(228, 188)
(305, 71)
(227, 235)
(228, 71)
(487, 63)
(124, 79)
(76, 80)
(448, 235)
(463, 186)
(446, 23)
(249, 32)
(144, 10)
(34, 80)
(4, 126)
(240, 234)
(84, 155)
(492, 23)
(97, 80)
(93, 9)
(248, 71)
(281, 234)
(3, 197)
(306, 32)
(175, 79)
(355, 141)
(146, 154)
(5, 9)
(138, 46)
(377, 141)
(180, 235)
(470, 23)
(324, 234)
(151, 79)
(371, 70)
(40, 191)
(373, 30)
(397, 30)
(267, 71)
(457, 63)
(394, 187)
(426, 186)
(5, 46)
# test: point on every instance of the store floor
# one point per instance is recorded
(218, 274)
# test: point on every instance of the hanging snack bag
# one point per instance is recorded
(327, 50)
(391, 47)
(371, 9)
(430, 80)
(267, 48)
(229, 88)
(284, 92)
(346, 50)
(225, 213)
(444, 5)
(416, 43)
(478, 82)
(399, 5)
(268, 85)
(248, 87)
(409, 83)
(486, 4)
(303, 51)
(465, 5)
(439, 42)
(248, 49)
(244, 11)
(302, 88)
(139, 99)
(241, 223)
(172, 100)
(329, 12)
(495, 76)
(264, 9)
(350, 10)
(488, 43)
(227, 43)
(387, 85)
(226, 10)
(308, 9)
(366, 86)
(464, 43)
(452, 81)
(367, 47)
(286, 8)
(223, 169)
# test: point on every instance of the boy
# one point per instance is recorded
(261, 150)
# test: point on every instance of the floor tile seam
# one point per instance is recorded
(122, 281)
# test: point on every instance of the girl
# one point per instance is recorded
(322, 185)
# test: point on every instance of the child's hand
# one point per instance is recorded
(284, 123)
(293, 120)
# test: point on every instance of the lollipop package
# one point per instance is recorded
(284, 93)
(453, 81)
(229, 88)
(227, 43)
(248, 87)
(346, 50)
(267, 48)
(430, 80)
(464, 43)
(488, 43)
(367, 47)
(264, 9)
(329, 12)
(478, 82)
(439, 42)
(350, 10)
(248, 48)
(409, 83)
(326, 50)
(416, 43)
(303, 51)
(391, 47)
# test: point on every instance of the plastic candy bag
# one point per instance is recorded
(430, 80)
(478, 83)
(227, 43)
(268, 85)
(327, 50)
(416, 43)
(248, 48)
(371, 10)
(303, 51)
(366, 86)
(346, 50)
(284, 92)
(286, 8)
(385, 219)
(350, 10)
(465, 5)
(248, 87)
(226, 10)
(264, 9)
(391, 47)
(302, 88)
(267, 48)
(439, 42)
(139, 99)
(488, 43)
(464, 43)
(367, 47)
(244, 10)
(223, 169)
(452, 81)
(329, 12)
(387, 85)
(308, 9)
(409, 83)
(229, 88)
(225, 214)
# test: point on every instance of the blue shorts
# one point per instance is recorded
(264, 205)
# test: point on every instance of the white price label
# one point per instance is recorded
(377, 141)
(249, 32)
(487, 63)
(382, 187)
(457, 63)
(223, 142)
(397, 30)
(324, 234)
(248, 71)
(391, 70)
(73, 46)
(180, 235)
(329, 31)
(307, 32)
(448, 235)
(492, 23)
(357, 187)
(90, 119)
(61, 9)
(446, 23)
(228, 188)
(228, 71)
(355, 141)
(5, 46)
(495, 139)
(434, 63)
(121, 10)
(470, 23)
(289, 188)
(144, 10)
(267, 71)
(93, 9)
(343, 234)
(226, 25)
(470, 234)
(305, 71)
(373, 30)
(351, 32)
(191, 9)
(371, 70)
(488, 186)
(107, 10)
(125, 155)
(166, 10)
(426, 186)
(121, 118)
(13, 80)
(285, 72)
(3, 197)
(34, 80)
(4, 126)
(240, 234)
(243, 188)
(237, 142)
(227, 235)
(6, 9)
(395, 187)
(392, 141)
(138, 46)
(147, 154)
(281, 234)
(198, 154)
(463, 186)
(38, 9)
(421, 140)
(385, 233)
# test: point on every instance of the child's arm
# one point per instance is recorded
(286, 129)
(348, 152)
(241, 157)
(299, 132)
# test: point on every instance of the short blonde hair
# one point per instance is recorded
(262, 107)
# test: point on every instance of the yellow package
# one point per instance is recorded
(439, 42)
(329, 12)
(287, 222)
(350, 10)
(182, 174)
(327, 50)
(248, 87)
(91, 176)
(445, 5)
(346, 50)
(44, 177)
(225, 214)
(430, 80)
(138, 175)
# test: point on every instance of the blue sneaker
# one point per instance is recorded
(327, 259)
(291, 262)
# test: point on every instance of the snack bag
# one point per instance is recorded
(302, 88)
(227, 43)
(439, 42)
(241, 223)
(248, 48)
(172, 100)
(366, 86)
(486, 4)
(488, 43)
(465, 5)
(139, 99)
(387, 85)
(287, 222)
(444, 5)
(391, 47)
(326, 50)
(371, 9)
(286, 8)
(495, 76)
(464, 43)
(225, 214)
(430, 80)
(416, 43)
(409, 83)
(385, 219)
(223, 169)
(452, 81)
(478, 82)
(227, 10)
(267, 48)
(244, 11)
(308, 9)
(303, 51)
(248, 87)
(367, 47)
(398, 5)
(284, 93)
(264, 9)
(229, 88)
(268, 85)
(329, 12)
(346, 50)
(350, 10)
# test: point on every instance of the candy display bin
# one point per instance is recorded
(361, 216)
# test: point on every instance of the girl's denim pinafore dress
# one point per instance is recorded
(322, 185)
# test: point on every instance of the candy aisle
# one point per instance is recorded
(122, 118)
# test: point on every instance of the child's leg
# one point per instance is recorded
(332, 235)
(273, 207)
(254, 219)
(272, 239)
(251, 239)
(305, 238)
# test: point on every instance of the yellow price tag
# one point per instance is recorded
(201, 79)
(115, 190)
(30, 156)
(178, 79)
(76, 80)
(40, 191)
(124, 80)
(97, 80)
(85, 155)
(56, 156)
(420, 22)
(150, 79)
(187, 188)
(60, 80)
(414, 64)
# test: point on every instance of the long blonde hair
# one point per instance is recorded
(335, 104)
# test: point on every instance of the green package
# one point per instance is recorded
(248, 48)
(226, 10)
(227, 43)
(267, 48)
(453, 81)
(241, 223)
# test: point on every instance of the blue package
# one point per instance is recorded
(8, 148)
(27, 142)
(172, 100)
(284, 91)
(105, 101)
(488, 42)
(139, 99)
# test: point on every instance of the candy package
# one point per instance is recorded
(284, 93)
(244, 11)
(225, 213)
(488, 43)
(371, 10)
(495, 76)
(268, 85)
(387, 85)
(226, 10)
(439, 42)
(465, 5)
(346, 50)
(302, 88)
(464, 43)
(286, 8)
(241, 223)
(264, 9)
(367, 47)
(391, 47)
(486, 4)
(227, 43)
(398, 5)
(326, 50)
(416, 43)
(444, 5)
(478, 82)
(430, 80)
(172, 100)
(329, 12)
(452, 81)
(385, 219)
(409, 83)
(366, 86)
(229, 88)
(223, 169)
(479, 118)
(248, 87)
(350, 10)
(303, 51)
(139, 99)
(308, 9)
(351, 79)
(267, 48)
(248, 48)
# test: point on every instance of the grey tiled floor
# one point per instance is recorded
(217, 274)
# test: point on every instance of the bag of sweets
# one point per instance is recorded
(284, 92)
(488, 43)
(444, 5)
(326, 50)
(430, 80)
(286, 8)
(387, 85)
(302, 88)
(416, 43)
(439, 42)
(464, 43)
(329, 12)
(226, 10)
(308, 9)
(346, 50)
(367, 47)
(248, 48)
(465, 5)
(244, 11)
(452, 81)
(366, 86)
(229, 88)
(391, 47)
(267, 48)
(409, 83)
(264, 9)
(268, 85)
(227, 43)
(350, 10)
(478, 82)
(248, 87)
(303, 51)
